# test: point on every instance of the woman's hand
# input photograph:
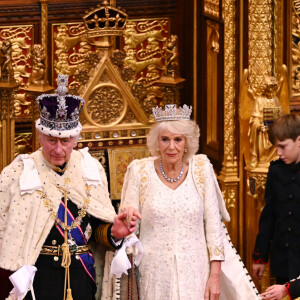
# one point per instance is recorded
(275, 292)
(213, 289)
(125, 222)
(130, 212)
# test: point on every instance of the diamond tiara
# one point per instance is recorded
(171, 113)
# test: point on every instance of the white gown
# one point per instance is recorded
(177, 229)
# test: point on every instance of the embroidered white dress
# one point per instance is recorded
(180, 232)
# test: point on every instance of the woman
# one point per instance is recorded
(181, 205)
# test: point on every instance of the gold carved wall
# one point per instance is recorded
(122, 68)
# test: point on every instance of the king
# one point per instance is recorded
(55, 210)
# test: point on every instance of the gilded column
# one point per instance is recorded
(7, 119)
(261, 41)
(228, 178)
(44, 31)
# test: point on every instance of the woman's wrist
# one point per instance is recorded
(215, 268)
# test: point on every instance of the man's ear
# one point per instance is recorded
(75, 142)
(40, 137)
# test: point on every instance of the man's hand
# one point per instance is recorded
(125, 223)
(258, 270)
(275, 292)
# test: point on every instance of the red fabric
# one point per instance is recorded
(5, 283)
(287, 287)
(259, 261)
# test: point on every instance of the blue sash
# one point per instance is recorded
(86, 259)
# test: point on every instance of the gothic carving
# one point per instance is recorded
(296, 49)
(172, 57)
(257, 111)
(260, 41)
(211, 7)
(6, 69)
(230, 79)
(120, 85)
(20, 38)
(37, 76)
(23, 143)
(256, 188)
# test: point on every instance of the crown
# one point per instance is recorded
(59, 113)
(104, 20)
(171, 113)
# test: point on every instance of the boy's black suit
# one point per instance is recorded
(279, 224)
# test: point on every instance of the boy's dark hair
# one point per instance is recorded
(285, 127)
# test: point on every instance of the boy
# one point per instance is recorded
(279, 224)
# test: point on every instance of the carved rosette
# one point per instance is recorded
(106, 106)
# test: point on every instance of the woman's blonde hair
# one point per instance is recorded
(188, 128)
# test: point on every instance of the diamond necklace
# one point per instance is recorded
(168, 178)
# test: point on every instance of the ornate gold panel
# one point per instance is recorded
(23, 143)
(119, 159)
(265, 41)
(106, 106)
(21, 39)
(230, 79)
(254, 202)
(120, 86)
(295, 53)
(212, 80)
(211, 7)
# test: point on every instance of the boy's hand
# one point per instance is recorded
(276, 292)
(258, 270)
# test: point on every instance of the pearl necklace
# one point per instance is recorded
(168, 178)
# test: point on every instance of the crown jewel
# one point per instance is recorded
(59, 113)
(171, 113)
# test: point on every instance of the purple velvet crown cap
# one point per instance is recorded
(59, 113)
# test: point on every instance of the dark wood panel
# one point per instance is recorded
(214, 150)
(74, 10)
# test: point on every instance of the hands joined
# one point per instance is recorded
(125, 222)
